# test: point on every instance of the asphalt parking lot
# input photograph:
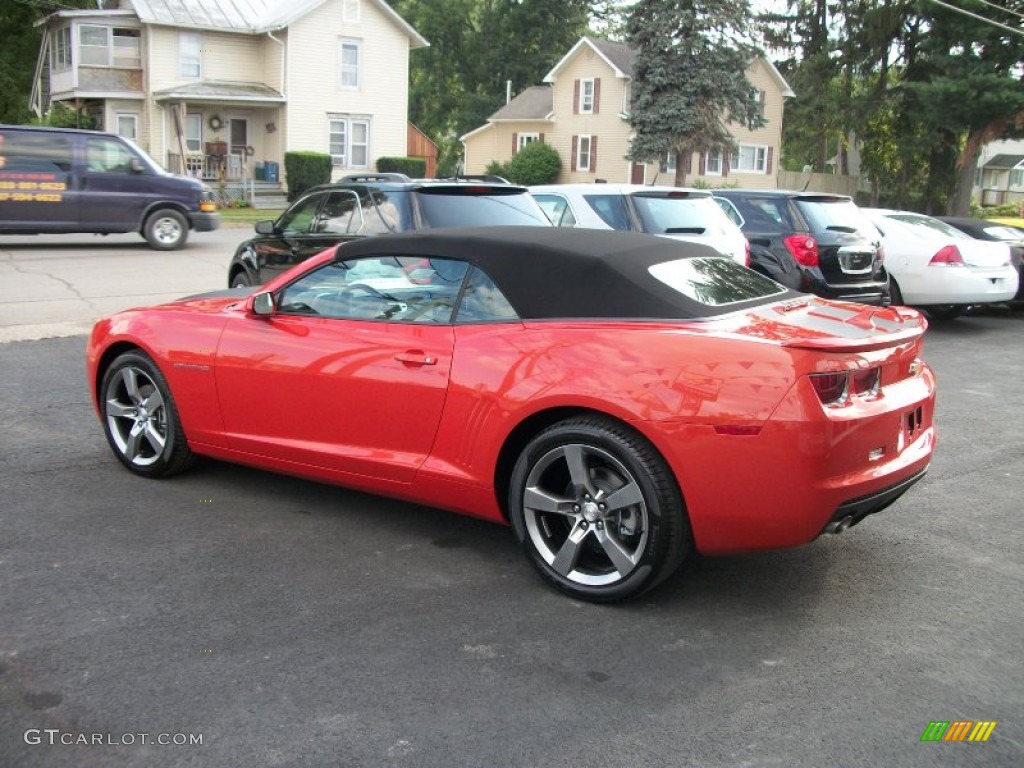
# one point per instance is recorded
(286, 623)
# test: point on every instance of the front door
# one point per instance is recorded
(637, 175)
(238, 146)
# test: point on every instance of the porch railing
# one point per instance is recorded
(229, 174)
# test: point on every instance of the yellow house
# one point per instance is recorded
(583, 113)
(222, 90)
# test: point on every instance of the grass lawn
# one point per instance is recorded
(247, 215)
(1013, 221)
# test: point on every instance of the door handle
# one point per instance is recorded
(413, 357)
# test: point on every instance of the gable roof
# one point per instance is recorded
(535, 103)
(620, 58)
(247, 16)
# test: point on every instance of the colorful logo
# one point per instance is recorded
(958, 730)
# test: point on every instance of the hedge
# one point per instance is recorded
(413, 167)
(304, 170)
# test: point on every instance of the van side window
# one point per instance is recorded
(108, 156)
(36, 152)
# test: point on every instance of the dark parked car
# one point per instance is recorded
(374, 204)
(980, 229)
(811, 242)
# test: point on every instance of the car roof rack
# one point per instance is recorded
(356, 177)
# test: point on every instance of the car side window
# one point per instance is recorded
(611, 209)
(298, 220)
(36, 152)
(406, 289)
(483, 302)
(340, 215)
(107, 156)
(384, 212)
(730, 210)
(557, 209)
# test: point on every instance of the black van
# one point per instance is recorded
(55, 180)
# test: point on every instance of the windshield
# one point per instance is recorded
(681, 215)
(715, 281)
(467, 207)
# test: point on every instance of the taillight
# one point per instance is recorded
(865, 382)
(804, 249)
(746, 245)
(836, 389)
(831, 387)
(948, 256)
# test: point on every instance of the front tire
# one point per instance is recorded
(945, 312)
(597, 510)
(241, 280)
(165, 230)
(140, 418)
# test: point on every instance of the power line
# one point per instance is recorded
(976, 16)
(1001, 8)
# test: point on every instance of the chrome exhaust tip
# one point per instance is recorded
(839, 526)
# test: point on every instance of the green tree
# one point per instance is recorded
(689, 77)
(476, 47)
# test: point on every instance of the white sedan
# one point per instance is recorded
(936, 266)
(675, 212)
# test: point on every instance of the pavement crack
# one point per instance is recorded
(68, 285)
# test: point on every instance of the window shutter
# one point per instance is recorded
(688, 165)
(541, 139)
(725, 163)
(515, 142)
(702, 164)
(593, 154)
(575, 147)
(768, 162)
(597, 94)
(576, 97)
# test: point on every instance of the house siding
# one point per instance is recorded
(314, 90)
(494, 142)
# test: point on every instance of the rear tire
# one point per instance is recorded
(241, 280)
(895, 294)
(597, 510)
(165, 230)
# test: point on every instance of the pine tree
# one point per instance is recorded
(689, 78)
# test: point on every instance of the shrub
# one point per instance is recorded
(497, 169)
(63, 116)
(304, 170)
(536, 163)
(411, 166)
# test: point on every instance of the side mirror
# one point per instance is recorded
(265, 227)
(136, 165)
(262, 304)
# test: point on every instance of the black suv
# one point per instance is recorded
(375, 204)
(811, 242)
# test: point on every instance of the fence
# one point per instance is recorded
(819, 182)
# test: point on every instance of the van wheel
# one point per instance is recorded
(240, 280)
(165, 230)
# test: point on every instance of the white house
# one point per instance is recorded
(217, 88)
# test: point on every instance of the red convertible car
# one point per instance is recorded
(619, 399)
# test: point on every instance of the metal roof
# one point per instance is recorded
(211, 90)
(1005, 161)
(248, 16)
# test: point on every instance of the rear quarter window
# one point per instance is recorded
(715, 281)
(468, 207)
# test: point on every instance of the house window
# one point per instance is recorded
(713, 163)
(190, 55)
(348, 55)
(526, 138)
(749, 158)
(1017, 177)
(348, 141)
(193, 132)
(108, 47)
(758, 97)
(670, 162)
(128, 126)
(350, 11)
(627, 97)
(586, 96)
(94, 45)
(583, 154)
(60, 54)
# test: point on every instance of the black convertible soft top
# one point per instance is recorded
(555, 272)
